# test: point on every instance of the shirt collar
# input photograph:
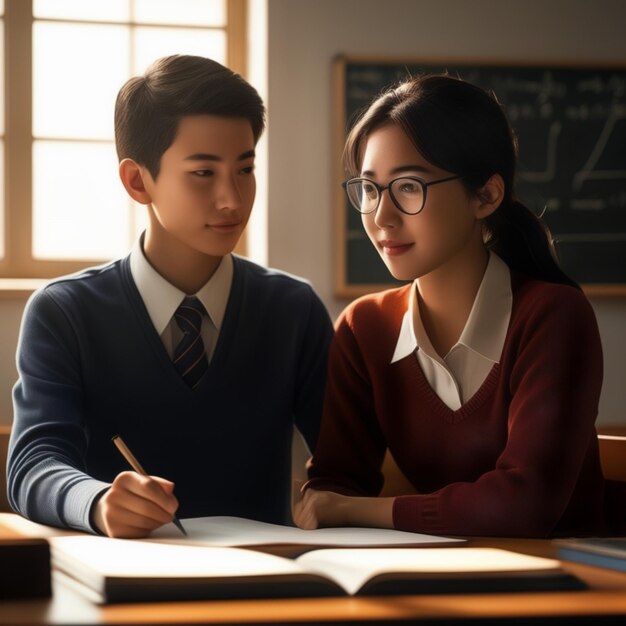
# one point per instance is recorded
(162, 299)
(487, 324)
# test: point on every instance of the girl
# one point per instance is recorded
(482, 375)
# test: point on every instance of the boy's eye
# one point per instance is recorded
(248, 170)
(202, 173)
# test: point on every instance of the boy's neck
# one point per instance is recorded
(183, 267)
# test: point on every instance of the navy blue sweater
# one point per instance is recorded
(92, 365)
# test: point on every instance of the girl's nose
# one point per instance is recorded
(387, 215)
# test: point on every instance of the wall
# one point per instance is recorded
(11, 308)
(303, 37)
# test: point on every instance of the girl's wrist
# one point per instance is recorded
(363, 511)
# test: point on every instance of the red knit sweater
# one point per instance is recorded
(520, 458)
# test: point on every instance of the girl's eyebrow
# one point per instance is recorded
(402, 168)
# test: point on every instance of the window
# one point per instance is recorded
(65, 206)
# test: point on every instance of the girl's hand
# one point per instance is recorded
(135, 505)
(317, 509)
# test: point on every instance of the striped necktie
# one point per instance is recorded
(190, 356)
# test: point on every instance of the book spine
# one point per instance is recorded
(597, 560)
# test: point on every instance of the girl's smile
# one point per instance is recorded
(394, 248)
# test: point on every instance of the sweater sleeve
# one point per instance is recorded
(351, 447)
(311, 371)
(46, 476)
(554, 392)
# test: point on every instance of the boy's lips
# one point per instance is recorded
(394, 248)
(224, 227)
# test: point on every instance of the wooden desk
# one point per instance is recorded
(603, 603)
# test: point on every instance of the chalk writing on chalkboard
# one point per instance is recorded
(571, 125)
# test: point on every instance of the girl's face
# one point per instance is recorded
(444, 231)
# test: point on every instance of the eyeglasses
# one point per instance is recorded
(408, 193)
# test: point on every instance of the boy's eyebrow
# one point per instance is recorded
(403, 168)
(201, 156)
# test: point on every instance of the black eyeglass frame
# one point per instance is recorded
(380, 188)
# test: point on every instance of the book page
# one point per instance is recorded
(353, 568)
(237, 531)
(118, 558)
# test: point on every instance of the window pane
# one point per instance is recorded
(153, 43)
(109, 10)
(192, 12)
(2, 199)
(80, 208)
(1, 77)
(77, 72)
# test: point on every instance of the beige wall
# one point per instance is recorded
(302, 38)
(10, 315)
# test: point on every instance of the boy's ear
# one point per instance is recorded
(490, 196)
(132, 176)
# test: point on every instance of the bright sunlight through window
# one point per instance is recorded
(82, 54)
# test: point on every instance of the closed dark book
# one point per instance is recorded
(24, 568)
(602, 552)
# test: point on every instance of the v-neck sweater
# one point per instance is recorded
(91, 365)
(519, 458)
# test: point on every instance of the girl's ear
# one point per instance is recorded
(132, 176)
(490, 196)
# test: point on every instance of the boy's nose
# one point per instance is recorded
(228, 195)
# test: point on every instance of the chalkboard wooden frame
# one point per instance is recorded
(350, 289)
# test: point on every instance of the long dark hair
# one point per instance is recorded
(462, 129)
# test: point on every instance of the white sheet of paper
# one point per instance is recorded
(130, 558)
(239, 532)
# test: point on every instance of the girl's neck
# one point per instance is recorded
(445, 297)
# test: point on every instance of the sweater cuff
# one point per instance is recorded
(417, 514)
(79, 503)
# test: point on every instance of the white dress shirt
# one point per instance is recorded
(459, 375)
(162, 299)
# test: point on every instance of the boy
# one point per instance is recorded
(205, 390)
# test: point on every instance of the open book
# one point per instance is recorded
(118, 570)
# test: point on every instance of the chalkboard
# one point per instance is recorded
(571, 125)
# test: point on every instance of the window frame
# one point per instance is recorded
(18, 261)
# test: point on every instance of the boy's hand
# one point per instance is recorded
(135, 505)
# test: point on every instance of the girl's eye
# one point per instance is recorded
(409, 187)
(369, 190)
(248, 170)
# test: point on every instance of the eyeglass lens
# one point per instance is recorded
(407, 193)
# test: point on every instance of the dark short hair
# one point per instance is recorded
(148, 108)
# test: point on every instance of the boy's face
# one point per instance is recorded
(204, 192)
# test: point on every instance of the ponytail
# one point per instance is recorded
(524, 242)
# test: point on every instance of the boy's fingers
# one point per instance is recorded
(150, 489)
(166, 485)
(138, 506)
